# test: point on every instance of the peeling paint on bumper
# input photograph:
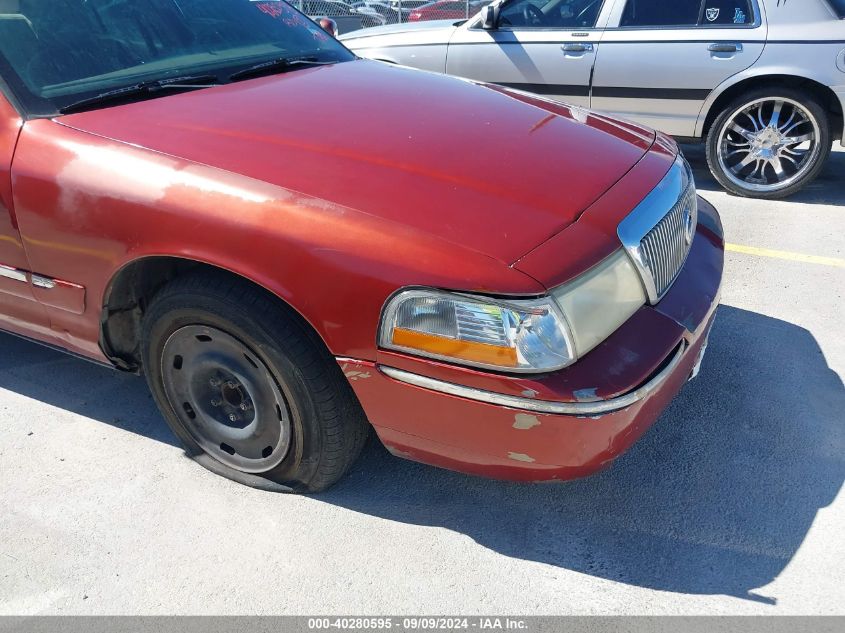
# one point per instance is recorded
(493, 441)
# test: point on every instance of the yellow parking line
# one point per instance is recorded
(795, 257)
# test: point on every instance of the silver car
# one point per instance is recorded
(761, 81)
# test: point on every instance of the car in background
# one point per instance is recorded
(380, 20)
(761, 82)
(388, 15)
(346, 18)
(364, 9)
(447, 9)
(406, 6)
(197, 208)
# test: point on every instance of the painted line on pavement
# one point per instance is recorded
(795, 257)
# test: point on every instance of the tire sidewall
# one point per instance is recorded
(713, 141)
(170, 314)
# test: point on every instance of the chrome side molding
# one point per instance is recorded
(43, 282)
(15, 274)
(53, 293)
(39, 281)
(540, 406)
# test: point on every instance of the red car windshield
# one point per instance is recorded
(57, 52)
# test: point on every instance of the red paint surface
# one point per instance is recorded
(333, 187)
(478, 168)
(19, 312)
(480, 438)
(319, 190)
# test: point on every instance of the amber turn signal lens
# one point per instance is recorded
(464, 350)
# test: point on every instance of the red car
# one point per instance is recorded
(446, 10)
(500, 285)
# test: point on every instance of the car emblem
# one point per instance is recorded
(689, 229)
(712, 14)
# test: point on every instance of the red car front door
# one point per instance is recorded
(19, 311)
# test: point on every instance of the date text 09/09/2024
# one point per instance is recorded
(418, 623)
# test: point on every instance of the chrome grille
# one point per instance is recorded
(658, 233)
(665, 247)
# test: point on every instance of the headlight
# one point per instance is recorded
(527, 336)
(599, 301)
(514, 335)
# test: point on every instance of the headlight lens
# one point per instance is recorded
(513, 335)
(529, 336)
(599, 301)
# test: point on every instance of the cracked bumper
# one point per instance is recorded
(545, 428)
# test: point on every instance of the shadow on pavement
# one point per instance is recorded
(69, 383)
(715, 499)
(827, 189)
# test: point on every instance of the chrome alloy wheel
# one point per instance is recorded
(769, 144)
(226, 398)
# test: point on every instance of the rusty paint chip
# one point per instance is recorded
(525, 421)
(355, 375)
(398, 452)
(520, 457)
(586, 395)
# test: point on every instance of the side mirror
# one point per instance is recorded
(328, 25)
(490, 17)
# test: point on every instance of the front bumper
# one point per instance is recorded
(563, 425)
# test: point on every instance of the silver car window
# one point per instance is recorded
(551, 14)
(661, 13)
(687, 13)
(726, 13)
(839, 7)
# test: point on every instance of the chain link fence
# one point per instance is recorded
(362, 14)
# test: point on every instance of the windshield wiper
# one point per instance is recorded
(190, 82)
(280, 64)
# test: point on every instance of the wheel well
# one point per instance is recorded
(825, 96)
(132, 289)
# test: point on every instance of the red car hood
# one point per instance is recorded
(492, 170)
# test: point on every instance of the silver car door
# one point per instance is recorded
(543, 46)
(659, 60)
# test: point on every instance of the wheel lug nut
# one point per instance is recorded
(231, 384)
(234, 417)
(214, 382)
(245, 406)
(216, 402)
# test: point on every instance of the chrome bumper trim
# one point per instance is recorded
(539, 406)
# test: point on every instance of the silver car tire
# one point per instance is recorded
(769, 143)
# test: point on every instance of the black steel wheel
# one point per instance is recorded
(226, 398)
(248, 387)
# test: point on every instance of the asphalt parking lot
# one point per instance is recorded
(731, 504)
